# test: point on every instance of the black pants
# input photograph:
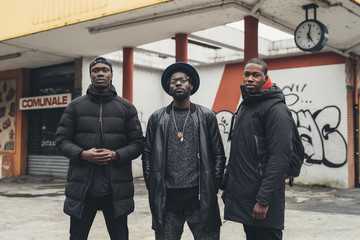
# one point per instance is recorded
(117, 227)
(262, 233)
(174, 226)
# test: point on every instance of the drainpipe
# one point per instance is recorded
(356, 121)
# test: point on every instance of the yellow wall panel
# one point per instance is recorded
(23, 17)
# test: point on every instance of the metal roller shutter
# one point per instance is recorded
(43, 165)
(43, 157)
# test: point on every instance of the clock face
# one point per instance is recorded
(311, 36)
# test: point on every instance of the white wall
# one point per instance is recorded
(316, 96)
(210, 78)
(148, 96)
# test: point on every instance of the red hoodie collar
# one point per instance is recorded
(268, 84)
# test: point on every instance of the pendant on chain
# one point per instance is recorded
(181, 136)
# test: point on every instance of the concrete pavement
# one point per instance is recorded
(31, 208)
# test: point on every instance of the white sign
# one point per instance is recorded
(49, 101)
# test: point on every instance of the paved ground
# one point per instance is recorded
(31, 208)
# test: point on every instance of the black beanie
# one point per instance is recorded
(100, 60)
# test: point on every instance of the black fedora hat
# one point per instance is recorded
(180, 67)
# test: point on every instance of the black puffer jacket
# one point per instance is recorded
(212, 162)
(120, 131)
(258, 158)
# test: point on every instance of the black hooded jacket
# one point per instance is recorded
(260, 147)
(211, 157)
(115, 121)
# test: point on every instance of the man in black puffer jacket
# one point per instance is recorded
(100, 133)
(260, 146)
(183, 161)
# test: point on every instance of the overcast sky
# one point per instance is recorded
(264, 31)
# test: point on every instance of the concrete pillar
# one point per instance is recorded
(128, 70)
(228, 94)
(181, 41)
(251, 38)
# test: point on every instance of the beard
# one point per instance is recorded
(180, 96)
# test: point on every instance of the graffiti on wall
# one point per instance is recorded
(318, 129)
(224, 123)
(7, 114)
(319, 134)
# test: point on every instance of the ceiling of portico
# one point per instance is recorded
(150, 31)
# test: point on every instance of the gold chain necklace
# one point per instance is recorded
(180, 134)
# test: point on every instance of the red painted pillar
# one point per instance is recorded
(128, 69)
(251, 38)
(228, 94)
(181, 41)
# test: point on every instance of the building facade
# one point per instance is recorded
(321, 90)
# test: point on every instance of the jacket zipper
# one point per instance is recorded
(101, 122)
(199, 173)
(258, 155)
(103, 137)
(198, 153)
(165, 145)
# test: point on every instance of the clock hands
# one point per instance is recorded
(308, 33)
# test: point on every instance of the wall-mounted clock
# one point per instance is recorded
(311, 35)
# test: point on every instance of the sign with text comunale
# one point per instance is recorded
(42, 102)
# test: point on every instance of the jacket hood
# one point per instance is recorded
(105, 96)
(263, 94)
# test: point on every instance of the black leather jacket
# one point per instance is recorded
(212, 162)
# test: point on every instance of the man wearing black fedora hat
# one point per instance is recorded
(183, 161)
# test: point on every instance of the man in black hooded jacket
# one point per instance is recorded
(100, 133)
(260, 146)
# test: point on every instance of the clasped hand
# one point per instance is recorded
(99, 156)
